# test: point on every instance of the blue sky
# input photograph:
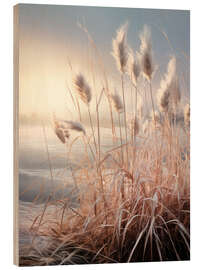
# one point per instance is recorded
(60, 22)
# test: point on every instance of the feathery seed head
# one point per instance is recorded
(146, 53)
(136, 126)
(134, 66)
(133, 124)
(163, 97)
(60, 134)
(120, 51)
(75, 126)
(82, 88)
(117, 103)
(169, 93)
(172, 81)
(66, 133)
(62, 128)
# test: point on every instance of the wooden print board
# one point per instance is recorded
(101, 135)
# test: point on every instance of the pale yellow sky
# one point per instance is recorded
(49, 34)
(45, 73)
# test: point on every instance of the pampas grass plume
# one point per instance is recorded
(82, 88)
(136, 127)
(117, 102)
(146, 53)
(133, 123)
(120, 49)
(134, 66)
(60, 134)
(59, 130)
(169, 92)
(163, 99)
(75, 126)
(62, 128)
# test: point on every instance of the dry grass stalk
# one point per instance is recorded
(134, 68)
(120, 53)
(134, 125)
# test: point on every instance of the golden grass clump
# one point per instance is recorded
(134, 197)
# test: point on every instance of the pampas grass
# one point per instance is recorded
(82, 88)
(146, 59)
(62, 129)
(67, 125)
(146, 53)
(60, 134)
(75, 126)
(134, 67)
(163, 97)
(120, 48)
(117, 103)
(169, 93)
(134, 70)
(135, 126)
(84, 92)
(120, 53)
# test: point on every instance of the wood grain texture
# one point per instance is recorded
(16, 135)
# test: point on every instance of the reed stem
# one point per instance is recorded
(125, 117)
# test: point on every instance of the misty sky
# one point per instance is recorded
(49, 36)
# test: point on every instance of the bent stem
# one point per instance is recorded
(49, 159)
(90, 118)
(153, 108)
(150, 86)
